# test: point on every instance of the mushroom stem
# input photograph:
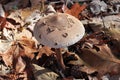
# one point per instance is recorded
(60, 58)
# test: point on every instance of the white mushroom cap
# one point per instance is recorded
(58, 30)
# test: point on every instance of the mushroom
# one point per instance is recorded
(58, 31)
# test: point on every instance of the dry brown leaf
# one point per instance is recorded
(23, 47)
(103, 66)
(97, 54)
(8, 56)
(78, 64)
(20, 65)
(44, 50)
(27, 47)
(27, 42)
(97, 51)
(106, 43)
(75, 10)
(24, 33)
(114, 43)
(106, 53)
(19, 56)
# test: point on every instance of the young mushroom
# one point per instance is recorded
(58, 31)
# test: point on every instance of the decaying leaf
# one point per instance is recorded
(8, 56)
(103, 66)
(75, 10)
(23, 47)
(28, 47)
(97, 54)
(79, 68)
(45, 50)
(114, 42)
(43, 73)
(24, 33)
(18, 56)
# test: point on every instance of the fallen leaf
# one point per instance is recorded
(24, 33)
(103, 66)
(42, 73)
(75, 10)
(18, 58)
(20, 65)
(22, 47)
(106, 53)
(8, 56)
(96, 53)
(44, 50)
(79, 69)
(27, 46)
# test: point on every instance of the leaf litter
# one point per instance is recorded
(95, 56)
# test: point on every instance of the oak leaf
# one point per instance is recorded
(18, 58)
(103, 66)
(97, 54)
(75, 10)
(44, 50)
(20, 48)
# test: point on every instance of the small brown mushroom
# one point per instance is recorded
(59, 30)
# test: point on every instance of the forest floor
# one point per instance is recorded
(96, 56)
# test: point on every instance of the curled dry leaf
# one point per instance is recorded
(23, 47)
(75, 10)
(18, 56)
(45, 50)
(114, 42)
(102, 66)
(8, 56)
(100, 56)
(20, 65)
(43, 73)
(24, 33)
(99, 51)
(114, 33)
(28, 47)
(81, 64)
(106, 53)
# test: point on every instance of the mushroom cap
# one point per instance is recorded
(58, 30)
